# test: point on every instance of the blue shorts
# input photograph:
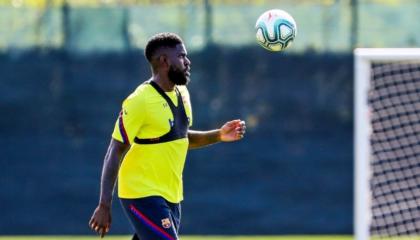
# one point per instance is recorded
(153, 218)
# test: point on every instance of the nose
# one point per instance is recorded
(187, 62)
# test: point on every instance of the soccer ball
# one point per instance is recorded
(276, 30)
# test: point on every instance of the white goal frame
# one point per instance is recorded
(363, 57)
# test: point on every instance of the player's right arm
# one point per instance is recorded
(126, 127)
(101, 219)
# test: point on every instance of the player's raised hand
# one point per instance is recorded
(232, 131)
(100, 222)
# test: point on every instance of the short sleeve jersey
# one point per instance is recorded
(151, 169)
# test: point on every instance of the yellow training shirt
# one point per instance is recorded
(151, 169)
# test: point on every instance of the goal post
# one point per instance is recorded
(387, 143)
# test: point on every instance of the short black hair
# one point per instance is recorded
(159, 40)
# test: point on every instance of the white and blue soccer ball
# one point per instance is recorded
(276, 30)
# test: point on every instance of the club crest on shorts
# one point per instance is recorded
(166, 223)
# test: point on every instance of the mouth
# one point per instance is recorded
(187, 72)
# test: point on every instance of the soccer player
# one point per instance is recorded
(149, 145)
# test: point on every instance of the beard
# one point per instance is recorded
(177, 76)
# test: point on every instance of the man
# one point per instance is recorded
(149, 146)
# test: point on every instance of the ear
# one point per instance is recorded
(164, 61)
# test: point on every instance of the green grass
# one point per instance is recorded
(330, 237)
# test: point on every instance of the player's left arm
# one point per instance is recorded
(231, 131)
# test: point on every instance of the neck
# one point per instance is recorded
(163, 83)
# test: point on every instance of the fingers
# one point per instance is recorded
(241, 126)
(234, 122)
(92, 224)
(240, 129)
(233, 130)
(98, 228)
(100, 221)
(103, 231)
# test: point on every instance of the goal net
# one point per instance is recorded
(387, 144)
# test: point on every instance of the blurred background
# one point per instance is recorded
(67, 65)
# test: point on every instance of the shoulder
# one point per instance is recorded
(139, 95)
(183, 90)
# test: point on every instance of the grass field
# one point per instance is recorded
(183, 238)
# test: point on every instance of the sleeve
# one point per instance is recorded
(130, 120)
